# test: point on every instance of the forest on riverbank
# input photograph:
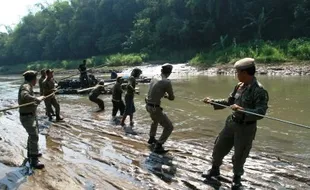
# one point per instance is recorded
(129, 32)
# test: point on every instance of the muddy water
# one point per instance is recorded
(96, 154)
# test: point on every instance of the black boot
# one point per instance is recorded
(213, 172)
(159, 149)
(50, 118)
(236, 182)
(152, 140)
(35, 163)
(59, 118)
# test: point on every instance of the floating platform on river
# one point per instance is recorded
(73, 86)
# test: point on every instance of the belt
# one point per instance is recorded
(153, 105)
(239, 121)
(26, 114)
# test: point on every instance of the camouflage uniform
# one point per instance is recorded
(240, 128)
(93, 96)
(28, 117)
(49, 88)
(157, 90)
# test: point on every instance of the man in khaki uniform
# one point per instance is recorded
(157, 90)
(49, 88)
(96, 91)
(28, 117)
(240, 127)
(42, 78)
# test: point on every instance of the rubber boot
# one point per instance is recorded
(35, 163)
(159, 149)
(213, 172)
(152, 140)
(236, 182)
(59, 118)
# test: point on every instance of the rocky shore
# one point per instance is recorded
(273, 70)
(289, 69)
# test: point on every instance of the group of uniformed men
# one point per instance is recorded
(239, 131)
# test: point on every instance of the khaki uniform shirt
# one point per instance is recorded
(157, 90)
(41, 85)
(48, 86)
(97, 91)
(26, 95)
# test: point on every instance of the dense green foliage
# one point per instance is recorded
(264, 52)
(78, 29)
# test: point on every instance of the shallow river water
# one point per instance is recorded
(92, 146)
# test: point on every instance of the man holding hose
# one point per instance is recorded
(240, 128)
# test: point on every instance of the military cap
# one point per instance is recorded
(244, 63)
(167, 65)
(30, 73)
(166, 68)
(49, 71)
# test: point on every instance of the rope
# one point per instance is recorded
(27, 104)
(90, 88)
(248, 112)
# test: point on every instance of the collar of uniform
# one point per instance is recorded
(254, 80)
(29, 84)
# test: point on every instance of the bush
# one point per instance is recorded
(299, 48)
(268, 53)
(128, 60)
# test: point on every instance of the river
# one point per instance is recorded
(87, 134)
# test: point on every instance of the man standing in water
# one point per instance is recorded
(240, 128)
(28, 117)
(157, 90)
(83, 74)
(117, 101)
(129, 97)
(49, 88)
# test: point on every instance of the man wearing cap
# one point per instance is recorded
(28, 117)
(158, 89)
(49, 88)
(240, 128)
(117, 101)
(83, 74)
(96, 91)
(42, 78)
